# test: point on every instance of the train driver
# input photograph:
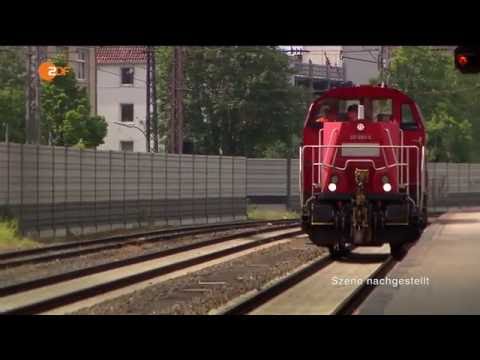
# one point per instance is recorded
(325, 114)
(352, 112)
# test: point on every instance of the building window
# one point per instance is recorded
(126, 112)
(81, 64)
(126, 146)
(127, 75)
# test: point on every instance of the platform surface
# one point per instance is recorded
(445, 263)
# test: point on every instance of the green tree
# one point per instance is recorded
(448, 100)
(66, 118)
(163, 58)
(280, 149)
(448, 137)
(239, 101)
(12, 93)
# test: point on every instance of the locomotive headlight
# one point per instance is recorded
(334, 179)
(360, 126)
(387, 187)
(332, 187)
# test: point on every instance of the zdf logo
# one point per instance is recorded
(48, 71)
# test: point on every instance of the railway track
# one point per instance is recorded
(310, 289)
(307, 290)
(316, 289)
(48, 293)
(67, 250)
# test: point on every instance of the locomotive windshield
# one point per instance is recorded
(333, 109)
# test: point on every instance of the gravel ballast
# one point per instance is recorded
(212, 287)
(28, 272)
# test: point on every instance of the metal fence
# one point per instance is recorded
(273, 181)
(57, 191)
(450, 185)
(453, 185)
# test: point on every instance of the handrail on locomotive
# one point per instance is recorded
(403, 181)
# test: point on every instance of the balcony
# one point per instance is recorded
(319, 71)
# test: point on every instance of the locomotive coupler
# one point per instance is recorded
(360, 210)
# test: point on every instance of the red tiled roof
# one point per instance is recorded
(121, 55)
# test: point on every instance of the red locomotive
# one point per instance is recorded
(363, 170)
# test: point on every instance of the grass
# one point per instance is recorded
(10, 239)
(254, 213)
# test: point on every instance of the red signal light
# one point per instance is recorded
(467, 59)
(462, 60)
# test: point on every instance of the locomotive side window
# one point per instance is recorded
(408, 121)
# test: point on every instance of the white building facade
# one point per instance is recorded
(121, 97)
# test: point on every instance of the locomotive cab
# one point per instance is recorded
(362, 167)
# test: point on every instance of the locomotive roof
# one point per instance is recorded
(364, 91)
